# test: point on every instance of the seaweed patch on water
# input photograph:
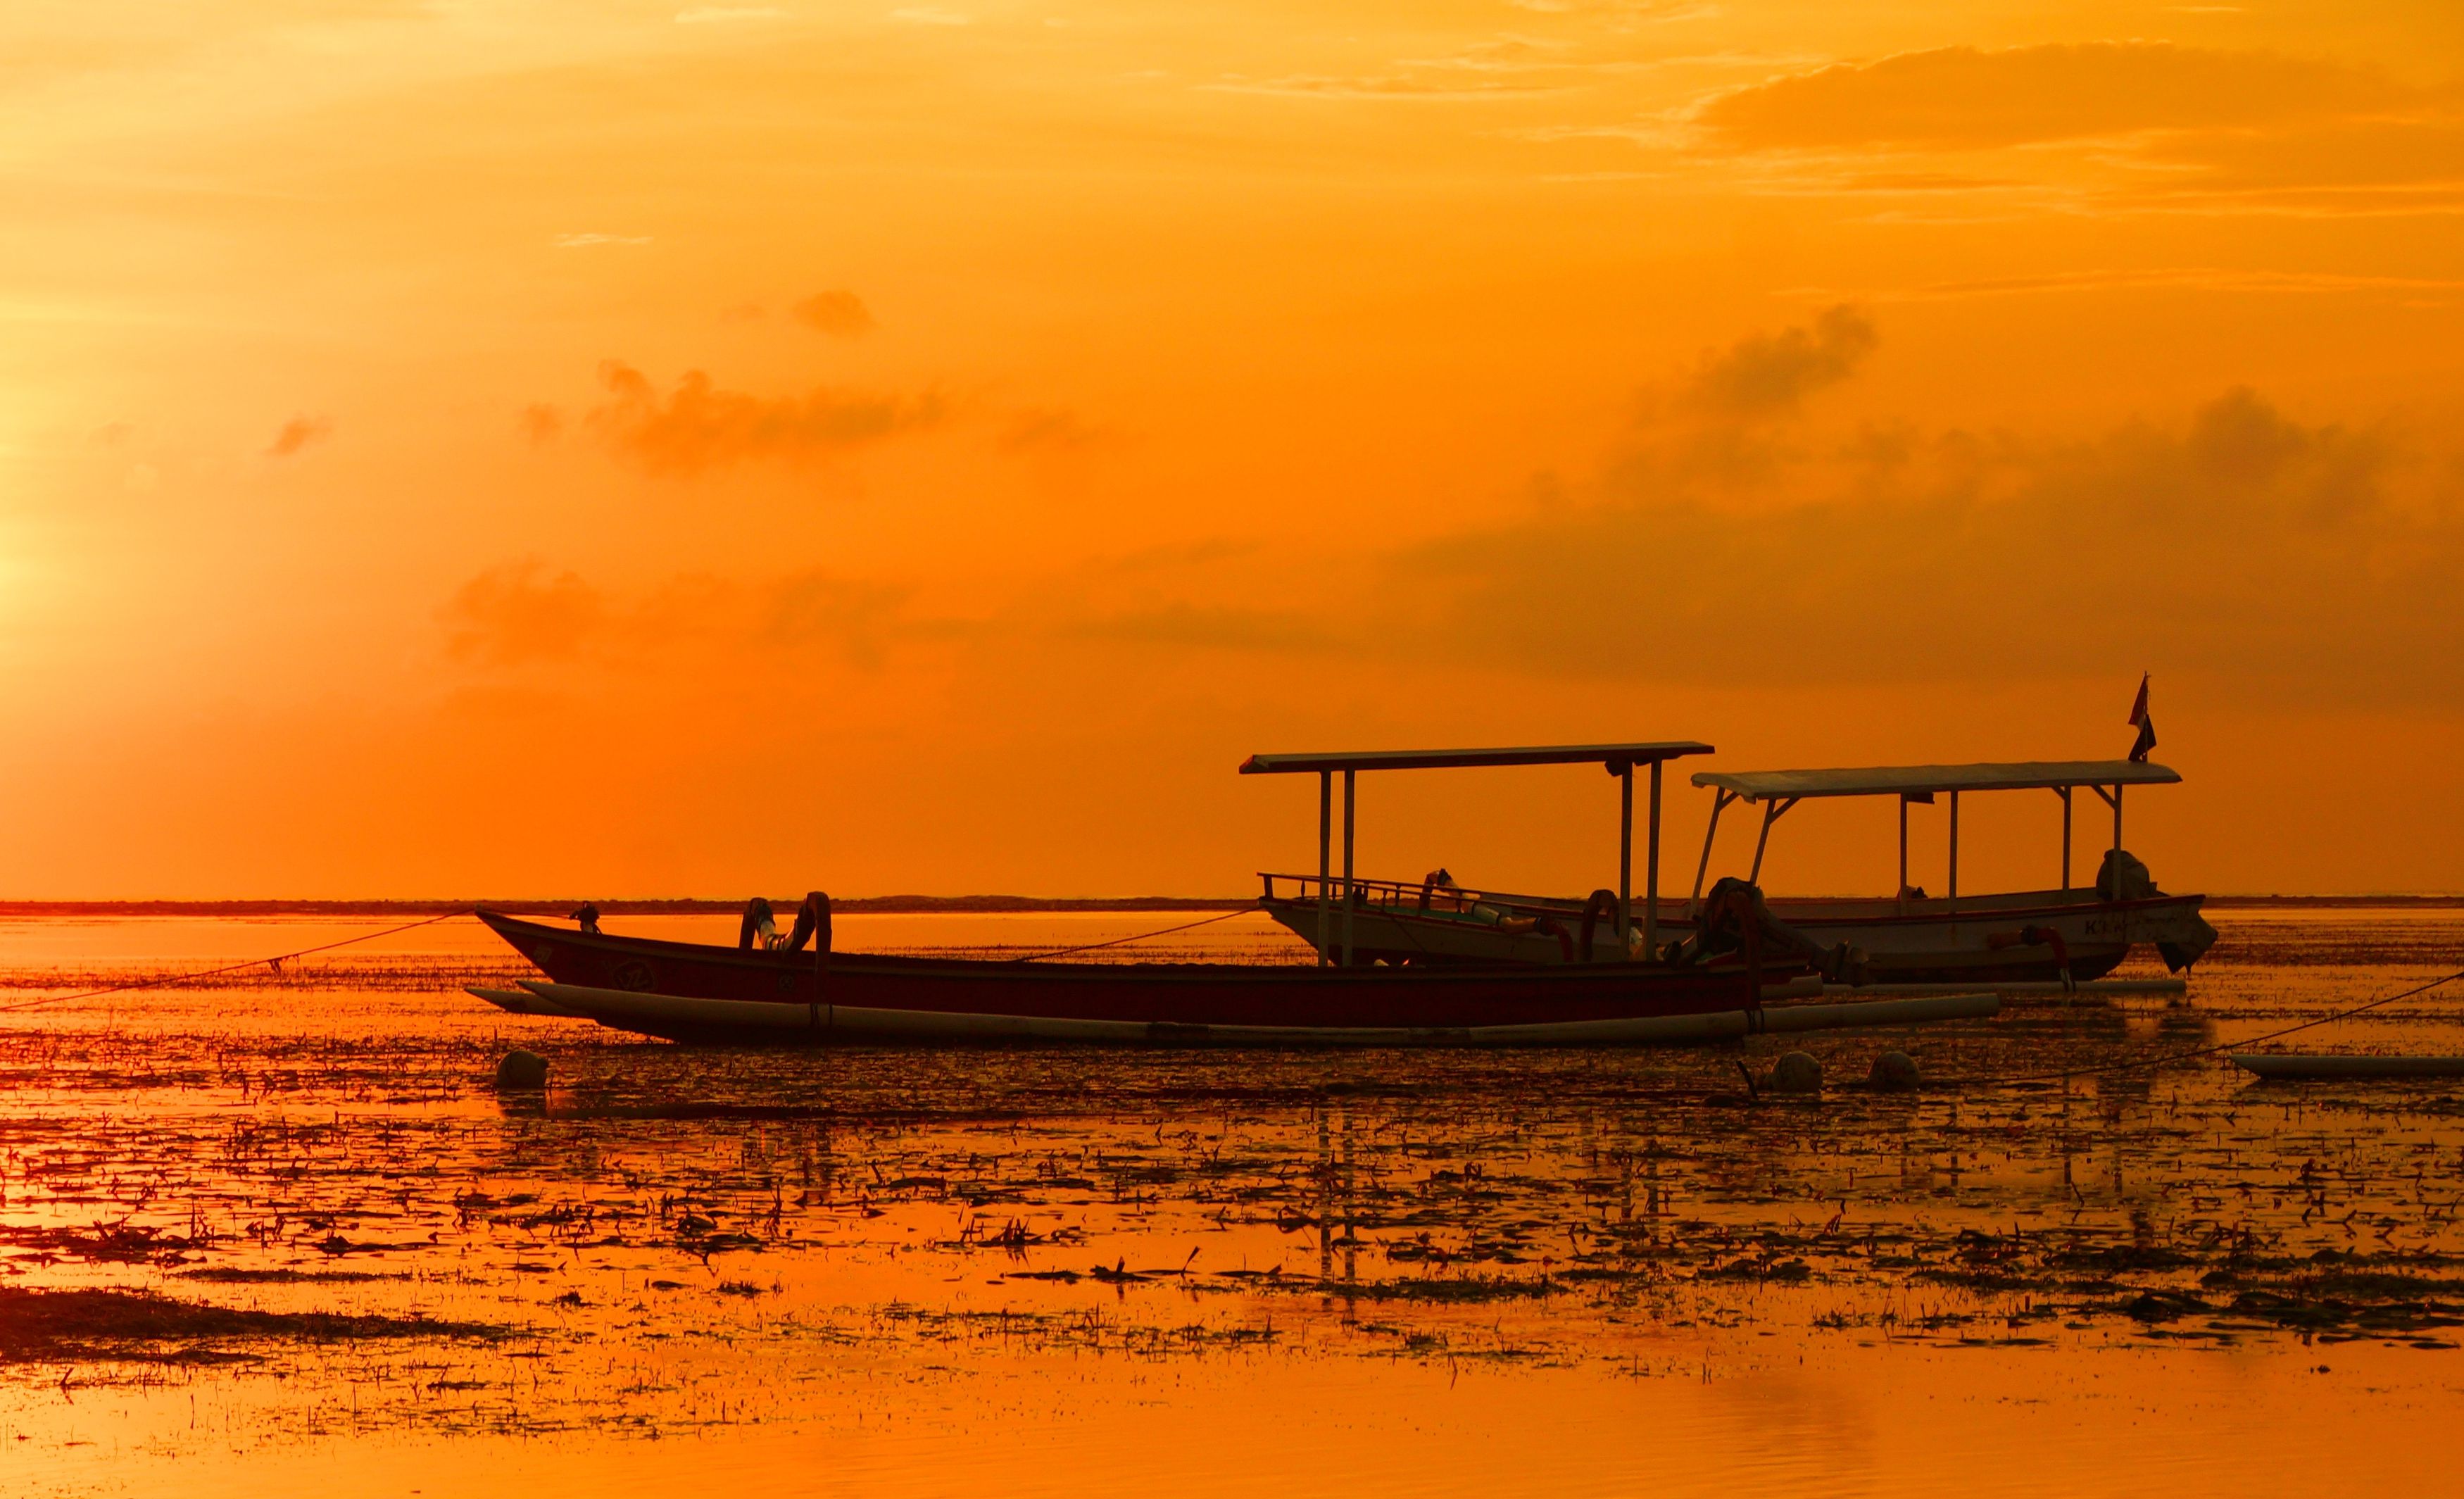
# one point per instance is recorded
(134, 1326)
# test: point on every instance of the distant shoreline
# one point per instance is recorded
(900, 904)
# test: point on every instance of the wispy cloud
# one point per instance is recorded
(840, 315)
(1975, 97)
(521, 614)
(517, 613)
(700, 426)
(297, 433)
(2121, 126)
(2196, 278)
(1766, 374)
(1047, 428)
(1378, 86)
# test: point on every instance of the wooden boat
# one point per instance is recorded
(2070, 933)
(2062, 935)
(794, 991)
(689, 990)
(764, 1022)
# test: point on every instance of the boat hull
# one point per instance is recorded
(1980, 940)
(1293, 999)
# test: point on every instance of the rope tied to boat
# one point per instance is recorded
(2223, 1048)
(275, 963)
(1063, 952)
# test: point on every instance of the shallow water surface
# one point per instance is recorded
(324, 1253)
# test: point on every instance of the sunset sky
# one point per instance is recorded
(504, 447)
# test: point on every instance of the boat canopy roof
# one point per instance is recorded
(2027, 775)
(1612, 756)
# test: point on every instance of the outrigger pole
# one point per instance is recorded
(1620, 759)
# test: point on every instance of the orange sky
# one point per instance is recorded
(613, 449)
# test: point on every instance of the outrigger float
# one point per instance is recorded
(1712, 984)
(2045, 939)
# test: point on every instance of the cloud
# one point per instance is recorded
(1736, 538)
(2113, 125)
(542, 423)
(2195, 279)
(1379, 86)
(1968, 98)
(1210, 626)
(1047, 428)
(297, 434)
(515, 614)
(2311, 562)
(839, 314)
(1766, 374)
(700, 426)
(855, 617)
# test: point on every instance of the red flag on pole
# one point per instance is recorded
(2145, 725)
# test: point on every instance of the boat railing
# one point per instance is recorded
(1397, 895)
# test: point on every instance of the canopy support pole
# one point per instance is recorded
(1954, 850)
(2113, 800)
(2064, 792)
(1651, 871)
(1348, 793)
(1902, 896)
(1324, 836)
(1625, 851)
(1773, 813)
(1719, 798)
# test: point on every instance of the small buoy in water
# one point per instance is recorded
(1796, 1073)
(1894, 1071)
(521, 1071)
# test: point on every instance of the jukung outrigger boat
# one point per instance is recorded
(2069, 934)
(691, 991)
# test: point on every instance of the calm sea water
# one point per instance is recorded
(1093, 1271)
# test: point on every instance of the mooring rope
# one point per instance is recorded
(1063, 952)
(254, 962)
(2222, 1048)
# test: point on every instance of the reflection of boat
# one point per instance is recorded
(2048, 935)
(1169, 1001)
(2068, 934)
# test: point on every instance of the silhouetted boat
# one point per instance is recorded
(2071, 933)
(634, 976)
(694, 991)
